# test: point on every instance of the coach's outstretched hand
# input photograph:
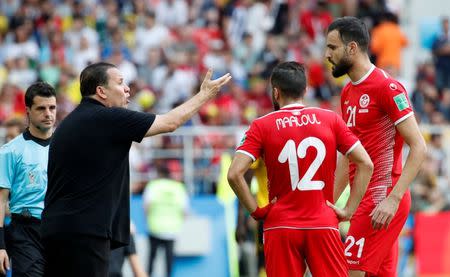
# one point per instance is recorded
(213, 86)
(4, 261)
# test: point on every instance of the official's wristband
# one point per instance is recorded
(2, 238)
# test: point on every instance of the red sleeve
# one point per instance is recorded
(342, 99)
(251, 143)
(394, 101)
(346, 141)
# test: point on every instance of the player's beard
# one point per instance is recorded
(342, 68)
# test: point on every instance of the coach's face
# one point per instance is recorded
(337, 54)
(116, 91)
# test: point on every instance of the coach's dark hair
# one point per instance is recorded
(352, 29)
(38, 89)
(290, 79)
(92, 76)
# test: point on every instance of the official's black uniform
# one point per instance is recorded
(87, 207)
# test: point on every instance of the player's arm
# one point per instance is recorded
(236, 178)
(136, 266)
(242, 226)
(341, 179)
(385, 211)
(4, 259)
(239, 166)
(364, 170)
(170, 121)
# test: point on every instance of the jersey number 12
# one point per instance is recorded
(290, 153)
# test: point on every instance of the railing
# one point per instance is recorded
(197, 143)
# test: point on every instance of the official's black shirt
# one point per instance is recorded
(88, 172)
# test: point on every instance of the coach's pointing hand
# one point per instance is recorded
(213, 86)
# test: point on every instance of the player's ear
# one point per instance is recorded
(100, 91)
(352, 47)
(276, 93)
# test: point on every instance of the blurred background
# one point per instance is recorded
(163, 47)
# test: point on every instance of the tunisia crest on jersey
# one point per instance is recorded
(364, 101)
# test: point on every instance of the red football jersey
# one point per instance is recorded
(298, 145)
(372, 107)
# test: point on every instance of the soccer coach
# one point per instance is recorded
(87, 205)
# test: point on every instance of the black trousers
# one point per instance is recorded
(118, 256)
(24, 247)
(167, 245)
(76, 256)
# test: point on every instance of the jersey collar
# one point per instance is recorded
(363, 78)
(28, 136)
(293, 106)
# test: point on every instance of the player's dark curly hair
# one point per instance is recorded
(352, 29)
(290, 79)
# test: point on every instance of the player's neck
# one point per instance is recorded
(291, 102)
(360, 69)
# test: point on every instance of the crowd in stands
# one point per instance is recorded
(164, 46)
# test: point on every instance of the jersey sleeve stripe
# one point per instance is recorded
(403, 118)
(352, 148)
(246, 153)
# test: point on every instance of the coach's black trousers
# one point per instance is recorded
(76, 256)
(24, 247)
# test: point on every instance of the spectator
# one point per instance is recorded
(84, 55)
(425, 193)
(150, 36)
(387, 42)
(21, 74)
(23, 45)
(172, 13)
(315, 20)
(80, 29)
(444, 104)
(13, 127)
(441, 52)
(165, 204)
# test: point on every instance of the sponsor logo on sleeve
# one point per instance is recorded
(401, 101)
(393, 86)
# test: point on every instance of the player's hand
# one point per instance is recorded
(4, 261)
(213, 86)
(261, 213)
(342, 214)
(384, 212)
